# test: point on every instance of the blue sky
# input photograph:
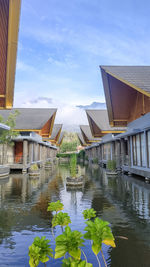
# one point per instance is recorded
(62, 43)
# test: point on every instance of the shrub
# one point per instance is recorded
(95, 160)
(111, 165)
(34, 167)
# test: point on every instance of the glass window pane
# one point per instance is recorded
(138, 150)
(143, 146)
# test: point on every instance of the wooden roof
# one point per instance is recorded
(87, 135)
(56, 133)
(60, 139)
(9, 25)
(81, 140)
(33, 119)
(127, 92)
(99, 123)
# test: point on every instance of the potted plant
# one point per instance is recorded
(48, 165)
(34, 170)
(111, 168)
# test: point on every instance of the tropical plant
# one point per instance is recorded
(95, 160)
(99, 232)
(34, 167)
(70, 242)
(89, 213)
(55, 206)
(61, 219)
(73, 165)
(111, 165)
(7, 136)
(39, 251)
(70, 262)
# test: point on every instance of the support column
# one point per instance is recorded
(25, 155)
(118, 155)
(30, 152)
(123, 154)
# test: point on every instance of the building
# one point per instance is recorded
(127, 91)
(56, 134)
(37, 120)
(99, 123)
(9, 26)
(87, 135)
(33, 126)
(81, 140)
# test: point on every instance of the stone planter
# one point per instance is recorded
(73, 181)
(34, 173)
(111, 173)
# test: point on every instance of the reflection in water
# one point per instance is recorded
(123, 201)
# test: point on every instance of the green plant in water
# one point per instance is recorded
(62, 219)
(95, 160)
(34, 167)
(111, 165)
(89, 213)
(73, 165)
(70, 262)
(39, 251)
(69, 241)
(98, 231)
(55, 206)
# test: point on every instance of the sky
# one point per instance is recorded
(63, 42)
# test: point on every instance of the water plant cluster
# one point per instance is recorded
(111, 165)
(68, 245)
(73, 165)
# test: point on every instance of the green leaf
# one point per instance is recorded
(89, 213)
(99, 231)
(39, 251)
(70, 262)
(69, 241)
(55, 206)
(61, 219)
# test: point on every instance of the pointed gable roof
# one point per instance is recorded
(30, 118)
(87, 135)
(127, 92)
(99, 123)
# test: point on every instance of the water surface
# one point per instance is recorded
(123, 201)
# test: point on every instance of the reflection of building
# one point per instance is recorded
(127, 92)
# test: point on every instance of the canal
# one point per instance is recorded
(123, 201)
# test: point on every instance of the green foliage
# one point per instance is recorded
(86, 157)
(39, 251)
(95, 160)
(99, 232)
(73, 165)
(111, 165)
(69, 241)
(34, 167)
(81, 154)
(70, 262)
(64, 155)
(70, 142)
(55, 206)
(61, 219)
(48, 163)
(89, 213)
(6, 136)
